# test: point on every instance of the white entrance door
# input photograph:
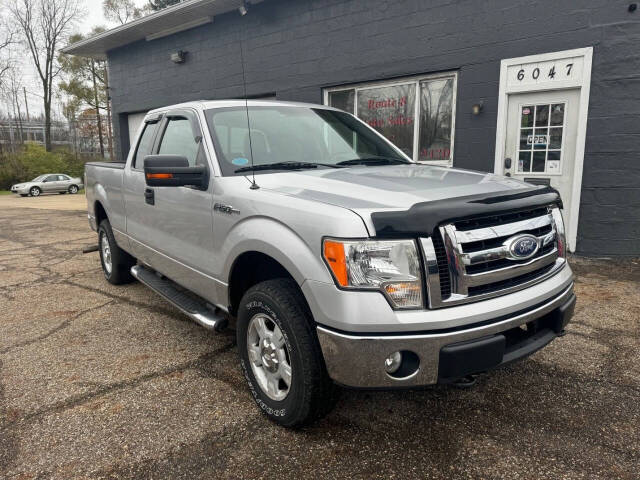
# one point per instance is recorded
(541, 140)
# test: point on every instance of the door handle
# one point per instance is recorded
(149, 196)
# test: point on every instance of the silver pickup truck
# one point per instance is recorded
(341, 261)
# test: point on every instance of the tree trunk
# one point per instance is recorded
(95, 95)
(109, 120)
(48, 145)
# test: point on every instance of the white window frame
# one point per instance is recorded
(416, 79)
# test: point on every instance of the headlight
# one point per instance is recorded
(391, 266)
(560, 233)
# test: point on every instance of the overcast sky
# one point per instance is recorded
(93, 17)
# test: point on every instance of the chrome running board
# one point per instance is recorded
(194, 309)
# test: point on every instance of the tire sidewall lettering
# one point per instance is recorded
(253, 307)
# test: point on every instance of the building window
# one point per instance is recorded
(416, 114)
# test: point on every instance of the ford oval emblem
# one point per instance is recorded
(522, 247)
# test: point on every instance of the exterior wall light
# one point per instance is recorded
(477, 108)
(178, 57)
(244, 8)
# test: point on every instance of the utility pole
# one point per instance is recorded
(26, 103)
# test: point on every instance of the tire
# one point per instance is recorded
(116, 263)
(73, 189)
(310, 394)
(35, 192)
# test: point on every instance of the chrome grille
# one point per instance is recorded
(472, 259)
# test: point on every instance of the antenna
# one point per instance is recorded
(254, 185)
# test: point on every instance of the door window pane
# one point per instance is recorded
(538, 161)
(144, 145)
(540, 138)
(553, 155)
(526, 119)
(391, 111)
(557, 114)
(178, 139)
(526, 138)
(555, 138)
(524, 162)
(343, 99)
(542, 115)
(436, 115)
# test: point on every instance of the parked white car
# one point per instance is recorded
(48, 183)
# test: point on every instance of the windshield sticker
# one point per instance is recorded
(240, 161)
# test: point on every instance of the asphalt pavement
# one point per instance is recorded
(103, 382)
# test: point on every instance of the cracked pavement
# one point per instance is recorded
(106, 382)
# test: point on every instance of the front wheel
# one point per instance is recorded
(35, 192)
(280, 355)
(73, 189)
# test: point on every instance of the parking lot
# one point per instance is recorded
(98, 381)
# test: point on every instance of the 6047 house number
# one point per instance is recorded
(551, 74)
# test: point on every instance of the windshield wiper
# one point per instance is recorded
(285, 166)
(373, 161)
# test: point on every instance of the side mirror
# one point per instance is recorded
(173, 171)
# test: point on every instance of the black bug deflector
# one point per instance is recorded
(422, 218)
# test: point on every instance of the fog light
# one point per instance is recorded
(392, 362)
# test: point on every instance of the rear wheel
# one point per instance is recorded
(73, 189)
(35, 192)
(280, 355)
(116, 263)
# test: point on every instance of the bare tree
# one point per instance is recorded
(122, 11)
(44, 25)
(7, 39)
(11, 89)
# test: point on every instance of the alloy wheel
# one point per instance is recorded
(106, 253)
(269, 356)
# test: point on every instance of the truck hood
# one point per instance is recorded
(378, 188)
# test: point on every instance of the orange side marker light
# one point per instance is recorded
(334, 254)
(159, 176)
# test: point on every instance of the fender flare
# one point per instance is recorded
(277, 241)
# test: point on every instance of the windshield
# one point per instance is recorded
(38, 179)
(303, 137)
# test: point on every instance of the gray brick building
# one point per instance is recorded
(554, 85)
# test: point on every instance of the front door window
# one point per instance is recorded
(540, 138)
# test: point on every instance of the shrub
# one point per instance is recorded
(34, 160)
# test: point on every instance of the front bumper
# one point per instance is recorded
(20, 191)
(444, 356)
